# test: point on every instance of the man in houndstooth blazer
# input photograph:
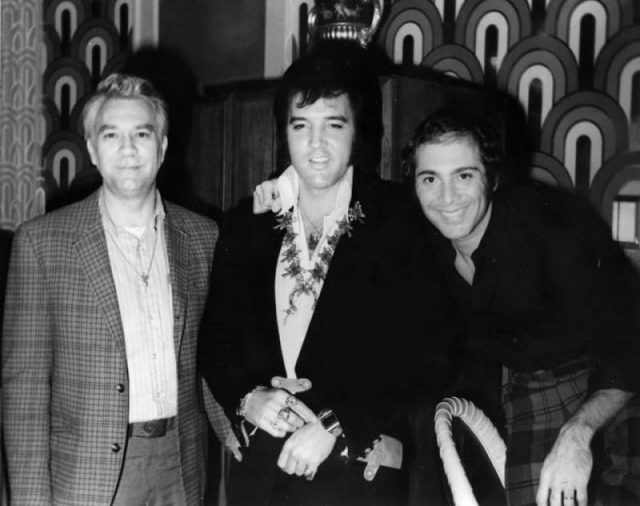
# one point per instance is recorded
(73, 432)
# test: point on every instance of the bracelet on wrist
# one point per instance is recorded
(330, 422)
(242, 407)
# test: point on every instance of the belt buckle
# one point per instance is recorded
(291, 385)
(155, 428)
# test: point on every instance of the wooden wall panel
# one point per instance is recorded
(205, 155)
(233, 146)
(253, 143)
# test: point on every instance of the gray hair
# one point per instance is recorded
(124, 86)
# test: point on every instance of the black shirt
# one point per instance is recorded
(550, 286)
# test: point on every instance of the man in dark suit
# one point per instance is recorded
(101, 400)
(285, 344)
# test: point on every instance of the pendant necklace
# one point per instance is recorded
(144, 276)
(316, 234)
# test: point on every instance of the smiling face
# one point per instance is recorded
(451, 185)
(127, 147)
(320, 138)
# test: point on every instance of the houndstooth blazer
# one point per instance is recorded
(65, 384)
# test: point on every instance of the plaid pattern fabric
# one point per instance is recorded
(65, 383)
(215, 415)
(536, 406)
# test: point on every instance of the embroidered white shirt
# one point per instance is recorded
(293, 327)
(146, 310)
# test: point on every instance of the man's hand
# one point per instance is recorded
(566, 470)
(266, 197)
(305, 450)
(276, 411)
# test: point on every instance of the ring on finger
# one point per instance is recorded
(284, 413)
(291, 400)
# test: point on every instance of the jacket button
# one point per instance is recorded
(120, 387)
(115, 447)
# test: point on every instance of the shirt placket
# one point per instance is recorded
(152, 324)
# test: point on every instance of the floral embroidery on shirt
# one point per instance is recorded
(308, 279)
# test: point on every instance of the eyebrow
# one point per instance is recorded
(338, 117)
(145, 126)
(456, 171)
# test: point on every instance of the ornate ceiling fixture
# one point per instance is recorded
(355, 20)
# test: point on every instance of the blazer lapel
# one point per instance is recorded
(344, 263)
(93, 256)
(266, 298)
(178, 254)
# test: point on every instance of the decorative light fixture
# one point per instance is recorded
(355, 20)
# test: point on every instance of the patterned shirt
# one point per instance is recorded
(293, 327)
(140, 269)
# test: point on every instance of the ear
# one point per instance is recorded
(163, 148)
(92, 152)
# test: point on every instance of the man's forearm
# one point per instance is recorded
(597, 410)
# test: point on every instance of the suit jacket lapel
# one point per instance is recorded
(93, 256)
(343, 264)
(178, 254)
(266, 298)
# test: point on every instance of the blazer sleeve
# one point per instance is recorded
(26, 370)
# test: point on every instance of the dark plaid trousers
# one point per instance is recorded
(536, 406)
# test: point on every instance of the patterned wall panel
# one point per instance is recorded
(21, 128)
(573, 64)
(412, 20)
(84, 40)
(457, 61)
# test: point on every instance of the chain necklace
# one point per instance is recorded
(144, 276)
(316, 234)
(307, 280)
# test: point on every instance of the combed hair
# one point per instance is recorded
(329, 72)
(116, 86)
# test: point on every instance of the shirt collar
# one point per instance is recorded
(114, 228)
(288, 185)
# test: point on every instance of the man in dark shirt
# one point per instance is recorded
(546, 293)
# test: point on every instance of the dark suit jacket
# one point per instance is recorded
(240, 346)
(65, 384)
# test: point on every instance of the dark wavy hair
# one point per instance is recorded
(459, 122)
(329, 72)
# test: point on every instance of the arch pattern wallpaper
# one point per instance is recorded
(83, 41)
(574, 65)
(21, 132)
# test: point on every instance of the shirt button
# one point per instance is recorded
(115, 447)
(120, 387)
